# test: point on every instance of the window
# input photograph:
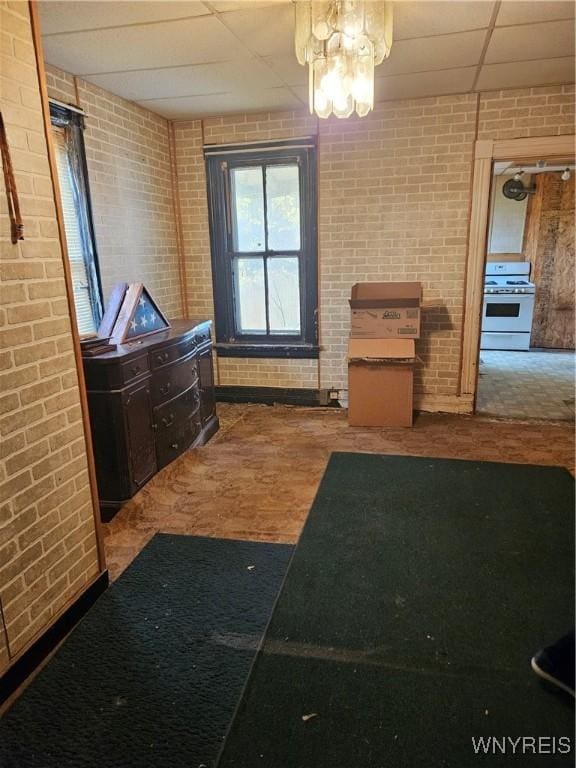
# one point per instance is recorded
(72, 177)
(262, 202)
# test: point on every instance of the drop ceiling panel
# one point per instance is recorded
(518, 12)
(186, 58)
(421, 19)
(288, 68)
(56, 16)
(430, 53)
(222, 6)
(220, 77)
(266, 31)
(424, 84)
(528, 73)
(193, 41)
(225, 103)
(531, 41)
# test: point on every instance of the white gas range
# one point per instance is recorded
(508, 306)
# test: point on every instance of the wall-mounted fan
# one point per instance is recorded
(514, 189)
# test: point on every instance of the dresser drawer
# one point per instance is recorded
(134, 368)
(177, 439)
(202, 335)
(176, 411)
(166, 355)
(169, 383)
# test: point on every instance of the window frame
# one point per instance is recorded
(72, 119)
(228, 342)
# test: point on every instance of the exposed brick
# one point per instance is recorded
(28, 312)
(18, 564)
(39, 391)
(8, 403)
(42, 565)
(376, 221)
(52, 463)
(48, 427)
(21, 418)
(36, 357)
(63, 492)
(24, 459)
(13, 486)
(129, 145)
(34, 352)
(49, 328)
(18, 378)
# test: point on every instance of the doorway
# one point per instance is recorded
(526, 360)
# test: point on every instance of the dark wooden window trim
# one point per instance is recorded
(228, 342)
(60, 115)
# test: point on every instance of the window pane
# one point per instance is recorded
(284, 295)
(247, 209)
(283, 207)
(250, 296)
(79, 273)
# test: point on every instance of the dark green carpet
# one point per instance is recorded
(415, 599)
(152, 675)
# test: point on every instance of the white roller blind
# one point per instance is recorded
(80, 284)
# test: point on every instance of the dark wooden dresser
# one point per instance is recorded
(149, 401)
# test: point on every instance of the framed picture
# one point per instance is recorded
(139, 316)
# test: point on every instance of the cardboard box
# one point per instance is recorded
(380, 382)
(385, 310)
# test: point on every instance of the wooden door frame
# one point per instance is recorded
(37, 39)
(486, 152)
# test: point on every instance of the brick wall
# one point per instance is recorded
(128, 159)
(518, 114)
(394, 199)
(47, 536)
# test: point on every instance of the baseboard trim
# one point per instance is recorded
(320, 398)
(443, 403)
(275, 395)
(25, 665)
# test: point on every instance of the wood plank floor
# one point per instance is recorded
(257, 478)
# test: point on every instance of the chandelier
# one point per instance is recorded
(342, 41)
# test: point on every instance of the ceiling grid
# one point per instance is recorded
(186, 58)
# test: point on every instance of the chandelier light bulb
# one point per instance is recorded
(361, 89)
(342, 41)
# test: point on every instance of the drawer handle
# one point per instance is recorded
(168, 420)
(165, 388)
(175, 446)
(135, 369)
(162, 357)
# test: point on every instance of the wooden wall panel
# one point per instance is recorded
(550, 244)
